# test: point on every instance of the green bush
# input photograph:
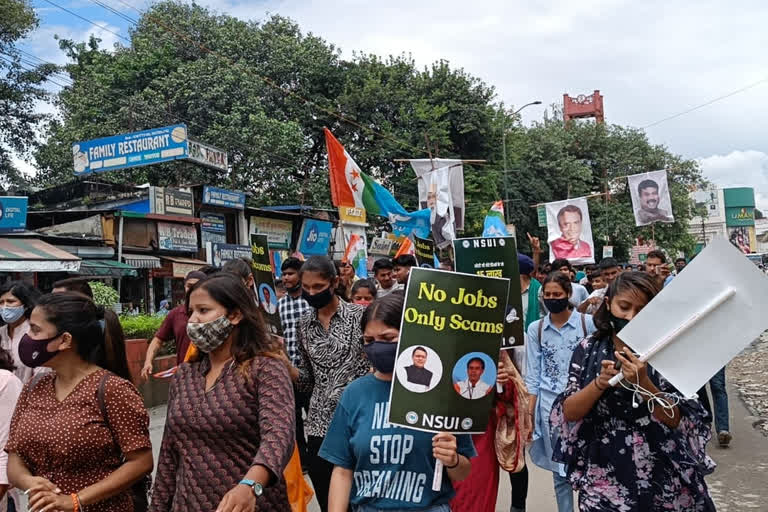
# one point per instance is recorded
(140, 326)
(104, 295)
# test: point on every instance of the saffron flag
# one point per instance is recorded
(356, 255)
(494, 222)
(405, 248)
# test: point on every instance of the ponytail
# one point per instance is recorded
(96, 332)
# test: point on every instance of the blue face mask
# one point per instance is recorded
(382, 355)
(11, 314)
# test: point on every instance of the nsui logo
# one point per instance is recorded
(466, 423)
(411, 418)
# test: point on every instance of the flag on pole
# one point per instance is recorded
(356, 255)
(351, 187)
(405, 248)
(494, 222)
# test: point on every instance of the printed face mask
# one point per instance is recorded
(211, 335)
(34, 353)
(11, 314)
(318, 300)
(556, 305)
(381, 354)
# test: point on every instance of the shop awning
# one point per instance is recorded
(33, 255)
(141, 260)
(106, 268)
(183, 266)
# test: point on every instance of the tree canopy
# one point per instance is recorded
(264, 91)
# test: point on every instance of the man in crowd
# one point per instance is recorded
(579, 294)
(680, 264)
(473, 388)
(570, 245)
(385, 282)
(417, 373)
(402, 267)
(654, 260)
(174, 326)
(649, 211)
(609, 271)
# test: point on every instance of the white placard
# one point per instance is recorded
(570, 231)
(650, 198)
(714, 338)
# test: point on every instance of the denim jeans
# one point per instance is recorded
(563, 493)
(720, 400)
(437, 508)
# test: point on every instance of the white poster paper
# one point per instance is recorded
(440, 201)
(650, 198)
(424, 170)
(712, 340)
(570, 231)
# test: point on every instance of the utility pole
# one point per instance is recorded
(504, 153)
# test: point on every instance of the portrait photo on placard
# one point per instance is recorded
(570, 231)
(268, 299)
(650, 198)
(419, 369)
(474, 376)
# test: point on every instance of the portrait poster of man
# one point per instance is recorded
(650, 198)
(570, 231)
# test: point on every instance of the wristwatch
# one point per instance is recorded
(258, 489)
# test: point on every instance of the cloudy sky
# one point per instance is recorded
(651, 60)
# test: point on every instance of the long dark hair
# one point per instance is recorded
(102, 344)
(6, 360)
(251, 338)
(638, 282)
(28, 295)
(561, 279)
(387, 310)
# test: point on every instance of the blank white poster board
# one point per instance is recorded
(731, 321)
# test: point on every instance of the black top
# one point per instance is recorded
(418, 375)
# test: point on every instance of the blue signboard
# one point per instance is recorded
(131, 149)
(224, 197)
(13, 214)
(213, 222)
(315, 237)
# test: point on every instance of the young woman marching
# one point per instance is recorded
(360, 424)
(17, 299)
(622, 452)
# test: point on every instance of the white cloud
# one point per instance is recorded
(740, 169)
(44, 44)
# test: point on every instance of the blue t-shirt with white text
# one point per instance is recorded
(393, 466)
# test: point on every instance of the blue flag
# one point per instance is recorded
(494, 222)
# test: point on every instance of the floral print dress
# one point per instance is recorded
(623, 459)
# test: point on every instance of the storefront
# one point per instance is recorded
(31, 259)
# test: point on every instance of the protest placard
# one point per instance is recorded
(650, 198)
(496, 257)
(570, 231)
(380, 246)
(424, 250)
(265, 284)
(445, 371)
(702, 319)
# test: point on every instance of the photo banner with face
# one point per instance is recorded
(448, 316)
(496, 257)
(650, 198)
(696, 305)
(424, 251)
(423, 169)
(266, 296)
(439, 201)
(570, 231)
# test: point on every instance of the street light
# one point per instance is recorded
(504, 150)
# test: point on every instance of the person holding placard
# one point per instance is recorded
(549, 347)
(621, 451)
(378, 466)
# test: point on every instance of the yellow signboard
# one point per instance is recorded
(350, 214)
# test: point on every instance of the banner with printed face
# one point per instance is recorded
(445, 371)
(496, 257)
(424, 250)
(570, 231)
(650, 198)
(266, 296)
(453, 172)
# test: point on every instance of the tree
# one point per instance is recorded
(20, 88)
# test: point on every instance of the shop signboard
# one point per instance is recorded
(278, 231)
(176, 237)
(352, 215)
(13, 214)
(223, 197)
(208, 155)
(219, 254)
(171, 201)
(315, 237)
(126, 150)
(213, 222)
(739, 216)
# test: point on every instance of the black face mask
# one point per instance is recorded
(320, 299)
(382, 355)
(556, 305)
(617, 323)
(294, 289)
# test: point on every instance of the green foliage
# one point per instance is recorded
(104, 295)
(140, 326)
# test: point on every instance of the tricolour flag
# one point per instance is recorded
(494, 222)
(351, 187)
(356, 255)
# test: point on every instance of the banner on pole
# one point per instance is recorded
(445, 371)
(650, 198)
(424, 250)
(453, 172)
(570, 231)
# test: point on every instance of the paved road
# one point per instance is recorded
(737, 485)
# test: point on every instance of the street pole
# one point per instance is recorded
(504, 152)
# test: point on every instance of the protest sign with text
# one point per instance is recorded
(265, 284)
(445, 372)
(424, 250)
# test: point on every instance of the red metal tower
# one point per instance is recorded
(583, 106)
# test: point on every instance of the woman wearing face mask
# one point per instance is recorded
(549, 348)
(621, 456)
(331, 345)
(17, 299)
(229, 431)
(363, 292)
(354, 427)
(79, 435)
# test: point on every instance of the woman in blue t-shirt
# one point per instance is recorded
(378, 466)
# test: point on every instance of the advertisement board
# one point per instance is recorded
(223, 197)
(13, 214)
(171, 201)
(208, 155)
(315, 237)
(176, 237)
(278, 231)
